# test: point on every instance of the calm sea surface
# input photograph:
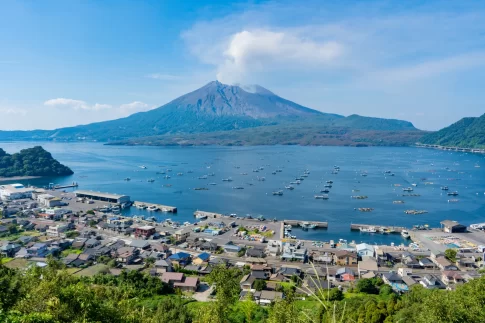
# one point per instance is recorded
(103, 168)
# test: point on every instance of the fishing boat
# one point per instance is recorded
(329, 182)
(321, 197)
(325, 191)
(127, 179)
(444, 188)
(408, 189)
(414, 184)
(274, 173)
(294, 182)
(405, 234)
(212, 183)
(279, 193)
(453, 193)
(308, 225)
(141, 206)
(328, 185)
(368, 230)
(153, 208)
(255, 170)
(203, 177)
(261, 179)
(151, 180)
(384, 230)
(201, 189)
(200, 216)
(289, 187)
(180, 174)
(238, 188)
(151, 219)
(288, 227)
(227, 179)
(279, 170)
(143, 167)
(166, 177)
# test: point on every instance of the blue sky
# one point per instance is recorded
(65, 63)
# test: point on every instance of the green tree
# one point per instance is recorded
(227, 288)
(12, 228)
(366, 286)
(248, 306)
(335, 294)
(450, 254)
(259, 284)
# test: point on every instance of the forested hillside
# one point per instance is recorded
(31, 162)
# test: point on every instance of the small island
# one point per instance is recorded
(31, 162)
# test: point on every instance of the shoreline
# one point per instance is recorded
(18, 178)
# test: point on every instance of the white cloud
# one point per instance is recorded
(75, 104)
(13, 111)
(253, 51)
(135, 106)
(164, 77)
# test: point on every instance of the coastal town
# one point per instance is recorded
(87, 233)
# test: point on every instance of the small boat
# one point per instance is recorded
(151, 219)
(166, 177)
(325, 191)
(201, 189)
(308, 225)
(368, 230)
(227, 179)
(127, 179)
(190, 171)
(408, 189)
(143, 167)
(200, 216)
(328, 185)
(384, 230)
(405, 234)
(279, 170)
(141, 206)
(211, 174)
(363, 174)
(261, 179)
(212, 183)
(414, 184)
(180, 174)
(444, 188)
(151, 180)
(152, 208)
(138, 218)
(203, 177)
(321, 197)
(453, 193)
(255, 170)
(274, 173)
(244, 174)
(238, 188)
(329, 182)
(289, 187)
(279, 193)
(186, 223)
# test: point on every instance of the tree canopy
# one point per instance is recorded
(31, 162)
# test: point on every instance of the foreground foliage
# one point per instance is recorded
(50, 294)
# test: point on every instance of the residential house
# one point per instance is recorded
(247, 282)
(209, 246)
(231, 247)
(345, 274)
(289, 271)
(140, 244)
(426, 263)
(91, 243)
(10, 249)
(145, 231)
(345, 258)
(163, 266)
(409, 281)
(444, 264)
(171, 277)
(466, 263)
(432, 282)
(201, 258)
(180, 258)
(452, 277)
(69, 259)
(403, 271)
(38, 250)
(314, 285)
(188, 284)
(181, 235)
(267, 297)
(255, 252)
(364, 249)
(78, 243)
(321, 257)
(273, 248)
(126, 255)
(293, 252)
(367, 265)
(409, 260)
(392, 278)
(22, 253)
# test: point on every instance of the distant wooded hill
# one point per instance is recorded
(31, 162)
(466, 133)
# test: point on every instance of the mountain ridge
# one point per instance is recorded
(213, 107)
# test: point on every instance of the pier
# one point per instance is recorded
(163, 208)
(319, 224)
(60, 187)
(208, 214)
(448, 148)
(392, 229)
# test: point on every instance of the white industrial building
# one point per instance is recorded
(15, 192)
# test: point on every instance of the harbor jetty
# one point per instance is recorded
(211, 215)
(159, 207)
(318, 224)
(392, 229)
